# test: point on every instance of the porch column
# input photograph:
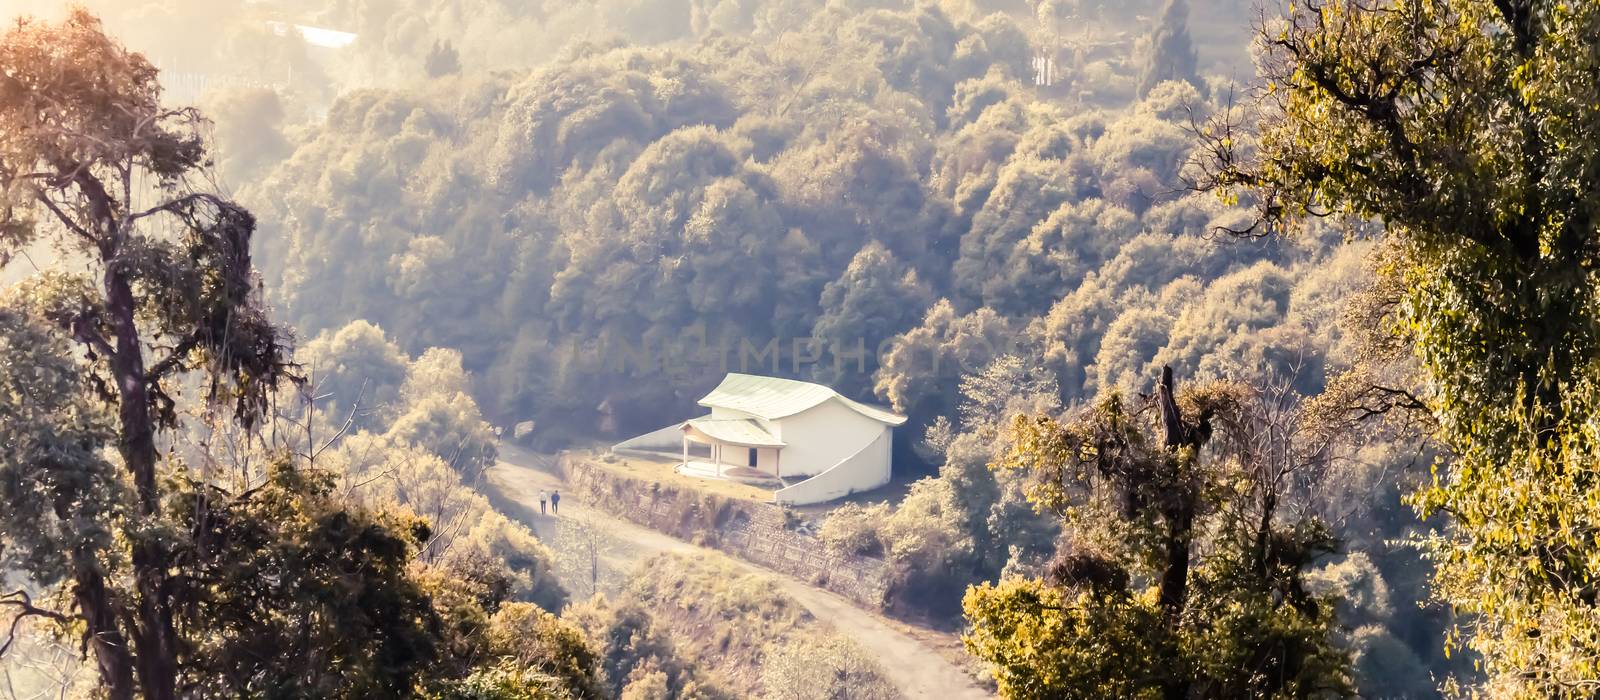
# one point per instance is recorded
(716, 456)
(685, 448)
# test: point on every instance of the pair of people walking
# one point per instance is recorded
(553, 498)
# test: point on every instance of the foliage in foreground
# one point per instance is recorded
(1468, 128)
(185, 550)
(1182, 575)
(824, 667)
(92, 163)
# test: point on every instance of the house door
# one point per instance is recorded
(752, 458)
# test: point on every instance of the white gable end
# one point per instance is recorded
(823, 435)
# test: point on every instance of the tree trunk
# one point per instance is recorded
(157, 638)
(1178, 508)
(158, 647)
(1174, 590)
(1179, 514)
(110, 648)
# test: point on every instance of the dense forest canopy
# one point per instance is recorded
(884, 198)
(891, 173)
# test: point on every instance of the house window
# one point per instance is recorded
(752, 457)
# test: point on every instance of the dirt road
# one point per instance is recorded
(919, 670)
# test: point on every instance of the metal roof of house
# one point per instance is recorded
(737, 431)
(772, 398)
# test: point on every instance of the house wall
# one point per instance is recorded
(767, 460)
(739, 456)
(863, 471)
(822, 435)
(663, 442)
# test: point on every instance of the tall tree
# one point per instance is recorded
(183, 583)
(1181, 576)
(1170, 55)
(442, 60)
(1468, 128)
(91, 160)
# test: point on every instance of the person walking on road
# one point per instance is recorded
(543, 496)
(555, 502)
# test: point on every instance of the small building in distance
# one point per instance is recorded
(818, 443)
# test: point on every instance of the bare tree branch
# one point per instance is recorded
(23, 604)
(181, 204)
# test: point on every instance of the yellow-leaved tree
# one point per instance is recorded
(1467, 129)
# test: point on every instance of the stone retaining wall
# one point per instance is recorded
(755, 532)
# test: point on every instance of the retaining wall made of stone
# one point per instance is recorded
(755, 532)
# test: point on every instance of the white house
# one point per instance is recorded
(823, 445)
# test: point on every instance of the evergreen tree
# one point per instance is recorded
(442, 60)
(1171, 55)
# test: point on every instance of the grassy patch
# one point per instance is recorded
(723, 617)
(736, 623)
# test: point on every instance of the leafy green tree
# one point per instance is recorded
(356, 372)
(538, 640)
(571, 113)
(970, 523)
(180, 581)
(974, 96)
(1180, 576)
(1047, 641)
(1234, 307)
(1127, 348)
(503, 682)
(297, 595)
(637, 656)
(534, 656)
(442, 60)
(435, 371)
(1466, 128)
(62, 494)
(922, 369)
(248, 133)
(450, 427)
(876, 298)
(1027, 190)
(363, 381)
(86, 146)
(1057, 252)
(471, 542)
(1142, 140)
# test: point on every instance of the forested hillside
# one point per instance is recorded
(855, 178)
(606, 233)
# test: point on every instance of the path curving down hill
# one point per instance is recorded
(916, 668)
